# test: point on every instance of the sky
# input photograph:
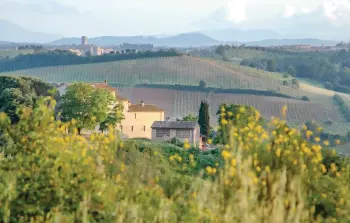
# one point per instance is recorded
(149, 17)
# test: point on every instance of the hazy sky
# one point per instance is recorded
(137, 17)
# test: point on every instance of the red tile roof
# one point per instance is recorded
(104, 86)
(145, 108)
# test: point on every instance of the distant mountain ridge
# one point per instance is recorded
(190, 40)
(280, 42)
(184, 39)
(15, 33)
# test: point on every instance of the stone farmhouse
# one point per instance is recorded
(138, 117)
(166, 130)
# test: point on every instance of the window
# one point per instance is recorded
(132, 128)
(160, 133)
(144, 128)
(183, 134)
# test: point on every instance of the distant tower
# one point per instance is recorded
(84, 40)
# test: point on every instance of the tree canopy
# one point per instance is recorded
(21, 91)
(87, 105)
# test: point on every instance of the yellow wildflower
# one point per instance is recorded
(278, 152)
(323, 168)
(267, 169)
(333, 167)
(284, 110)
(225, 154)
(209, 170)
(233, 162)
(242, 109)
(224, 121)
(255, 180)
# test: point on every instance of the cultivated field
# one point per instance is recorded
(174, 70)
(181, 103)
(189, 71)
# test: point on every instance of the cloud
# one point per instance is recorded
(289, 11)
(236, 11)
(306, 10)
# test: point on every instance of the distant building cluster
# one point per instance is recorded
(88, 49)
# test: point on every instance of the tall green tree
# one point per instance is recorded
(204, 119)
(271, 65)
(86, 105)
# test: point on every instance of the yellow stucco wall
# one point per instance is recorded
(138, 124)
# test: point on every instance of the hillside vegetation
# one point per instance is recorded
(51, 175)
(331, 68)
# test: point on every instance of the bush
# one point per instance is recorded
(329, 85)
(202, 84)
(305, 98)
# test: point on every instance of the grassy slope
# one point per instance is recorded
(189, 71)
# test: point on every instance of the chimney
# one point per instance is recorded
(142, 103)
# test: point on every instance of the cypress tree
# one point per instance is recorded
(203, 119)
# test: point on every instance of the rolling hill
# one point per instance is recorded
(16, 33)
(186, 70)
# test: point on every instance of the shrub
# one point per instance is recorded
(202, 84)
(305, 98)
(328, 85)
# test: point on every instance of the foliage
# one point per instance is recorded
(204, 119)
(260, 175)
(291, 70)
(17, 91)
(115, 116)
(320, 135)
(49, 175)
(237, 115)
(305, 98)
(344, 109)
(271, 65)
(328, 85)
(202, 84)
(327, 66)
(86, 105)
(190, 118)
